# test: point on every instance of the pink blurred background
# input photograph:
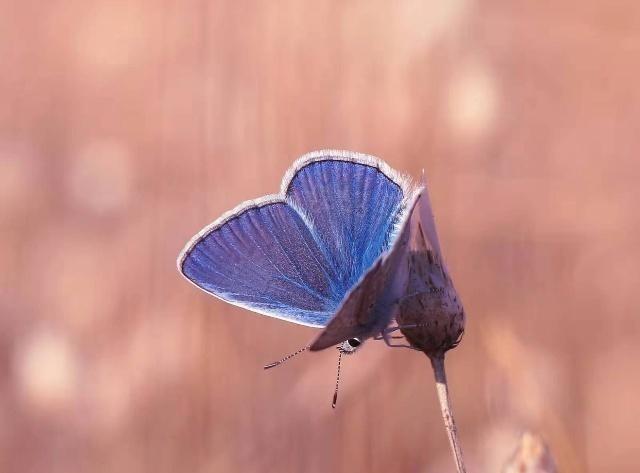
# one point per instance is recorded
(127, 126)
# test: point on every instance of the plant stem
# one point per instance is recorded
(437, 362)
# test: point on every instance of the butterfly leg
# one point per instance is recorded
(392, 345)
(385, 335)
(392, 337)
(399, 327)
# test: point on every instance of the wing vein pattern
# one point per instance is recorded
(296, 256)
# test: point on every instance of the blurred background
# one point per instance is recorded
(126, 126)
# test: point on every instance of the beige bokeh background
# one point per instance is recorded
(127, 126)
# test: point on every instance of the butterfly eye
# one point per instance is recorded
(354, 342)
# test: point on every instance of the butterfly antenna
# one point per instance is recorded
(335, 394)
(289, 356)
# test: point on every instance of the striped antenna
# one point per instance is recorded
(335, 394)
(289, 356)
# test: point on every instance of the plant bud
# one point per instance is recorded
(430, 315)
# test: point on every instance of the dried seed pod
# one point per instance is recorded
(430, 314)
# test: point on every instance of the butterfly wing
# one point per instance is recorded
(370, 305)
(426, 223)
(354, 205)
(295, 255)
(424, 237)
(262, 256)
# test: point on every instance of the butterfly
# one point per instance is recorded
(329, 250)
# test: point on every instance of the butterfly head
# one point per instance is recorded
(349, 347)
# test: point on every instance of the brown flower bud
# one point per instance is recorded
(430, 315)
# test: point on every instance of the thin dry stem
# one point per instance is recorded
(437, 362)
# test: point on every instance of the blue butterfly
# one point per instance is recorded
(327, 251)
